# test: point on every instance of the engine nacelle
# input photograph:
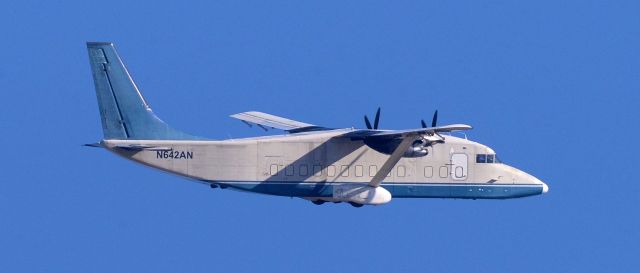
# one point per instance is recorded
(416, 151)
(361, 194)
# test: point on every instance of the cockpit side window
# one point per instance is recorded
(481, 158)
(487, 158)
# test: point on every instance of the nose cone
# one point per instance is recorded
(529, 179)
(545, 187)
(535, 180)
(535, 185)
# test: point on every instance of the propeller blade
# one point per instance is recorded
(434, 121)
(424, 125)
(376, 120)
(366, 121)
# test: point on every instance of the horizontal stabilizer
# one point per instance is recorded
(140, 147)
(94, 145)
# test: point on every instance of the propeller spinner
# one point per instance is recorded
(434, 122)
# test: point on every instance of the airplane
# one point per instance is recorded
(320, 164)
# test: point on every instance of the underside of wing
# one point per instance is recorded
(367, 133)
(265, 121)
(387, 141)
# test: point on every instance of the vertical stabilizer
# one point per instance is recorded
(123, 111)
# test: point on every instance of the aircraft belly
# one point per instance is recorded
(415, 190)
(285, 188)
(462, 190)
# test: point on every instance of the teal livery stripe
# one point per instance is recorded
(398, 190)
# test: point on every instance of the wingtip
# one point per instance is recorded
(452, 127)
(462, 126)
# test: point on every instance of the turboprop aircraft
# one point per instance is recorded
(320, 164)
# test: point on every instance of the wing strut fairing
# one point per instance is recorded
(392, 160)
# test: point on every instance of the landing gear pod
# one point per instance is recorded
(361, 194)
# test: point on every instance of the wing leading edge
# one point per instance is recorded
(367, 133)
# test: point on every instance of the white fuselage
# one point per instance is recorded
(313, 166)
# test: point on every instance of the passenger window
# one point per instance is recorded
(273, 170)
(344, 170)
(481, 158)
(331, 170)
(359, 170)
(373, 169)
(317, 170)
(402, 171)
(304, 170)
(428, 171)
(444, 172)
(288, 171)
(489, 158)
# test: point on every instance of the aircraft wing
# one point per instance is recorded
(367, 133)
(408, 137)
(264, 121)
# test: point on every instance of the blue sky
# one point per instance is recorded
(552, 86)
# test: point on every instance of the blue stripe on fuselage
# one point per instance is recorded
(398, 190)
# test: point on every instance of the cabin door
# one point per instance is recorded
(459, 166)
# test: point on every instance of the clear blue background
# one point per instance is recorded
(551, 85)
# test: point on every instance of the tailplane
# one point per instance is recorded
(123, 110)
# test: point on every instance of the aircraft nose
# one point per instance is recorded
(545, 187)
(534, 180)
(520, 176)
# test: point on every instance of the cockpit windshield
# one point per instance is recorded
(487, 158)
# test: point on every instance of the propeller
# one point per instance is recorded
(376, 121)
(434, 120)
